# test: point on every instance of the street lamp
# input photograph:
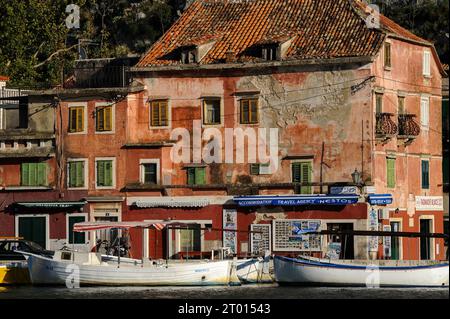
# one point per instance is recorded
(356, 177)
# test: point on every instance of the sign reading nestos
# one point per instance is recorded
(429, 203)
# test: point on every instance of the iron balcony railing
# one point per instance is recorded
(385, 126)
(407, 126)
(97, 77)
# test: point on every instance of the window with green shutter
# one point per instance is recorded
(105, 173)
(425, 174)
(302, 173)
(104, 116)
(76, 174)
(390, 163)
(75, 237)
(33, 174)
(196, 175)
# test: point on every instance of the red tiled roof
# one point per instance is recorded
(319, 28)
(4, 78)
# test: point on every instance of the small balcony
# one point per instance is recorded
(408, 129)
(385, 127)
(24, 144)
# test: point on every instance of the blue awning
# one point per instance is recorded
(296, 200)
(380, 199)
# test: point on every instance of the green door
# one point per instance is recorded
(33, 229)
(395, 242)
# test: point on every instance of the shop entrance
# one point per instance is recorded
(425, 242)
(347, 242)
(33, 229)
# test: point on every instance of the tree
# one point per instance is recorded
(425, 18)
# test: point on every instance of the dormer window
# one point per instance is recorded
(270, 52)
(189, 55)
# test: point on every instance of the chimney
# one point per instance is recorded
(230, 57)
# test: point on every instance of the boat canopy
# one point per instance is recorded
(90, 226)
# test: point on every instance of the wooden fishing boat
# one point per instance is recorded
(14, 273)
(93, 269)
(370, 273)
(88, 269)
(255, 270)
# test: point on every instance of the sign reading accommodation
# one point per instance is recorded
(291, 235)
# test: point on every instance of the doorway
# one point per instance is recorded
(395, 241)
(347, 242)
(425, 242)
(33, 229)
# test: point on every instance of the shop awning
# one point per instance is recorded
(172, 202)
(380, 199)
(92, 226)
(296, 200)
(51, 204)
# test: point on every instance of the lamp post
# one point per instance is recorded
(356, 177)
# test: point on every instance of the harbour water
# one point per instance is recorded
(242, 292)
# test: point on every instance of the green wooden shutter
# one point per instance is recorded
(42, 174)
(108, 173)
(32, 174)
(306, 174)
(100, 173)
(296, 176)
(72, 174)
(108, 118)
(25, 169)
(190, 176)
(390, 172)
(200, 176)
(425, 175)
(163, 110)
(80, 174)
(254, 169)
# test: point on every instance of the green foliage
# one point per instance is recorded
(36, 46)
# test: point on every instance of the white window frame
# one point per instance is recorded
(85, 128)
(113, 159)
(85, 215)
(113, 118)
(426, 63)
(47, 226)
(169, 113)
(86, 173)
(425, 113)
(149, 161)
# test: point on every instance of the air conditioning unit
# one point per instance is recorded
(383, 213)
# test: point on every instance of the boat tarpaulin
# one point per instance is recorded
(172, 202)
(296, 200)
(89, 226)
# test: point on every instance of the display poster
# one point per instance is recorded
(261, 242)
(292, 235)
(230, 222)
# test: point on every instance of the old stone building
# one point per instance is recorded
(354, 103)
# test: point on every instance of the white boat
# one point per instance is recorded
(70, 267)
(369, 273)
(89, 269)
(252, 271)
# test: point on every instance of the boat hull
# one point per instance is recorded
(14, 274)
(44, 271)
(251, 271)
(325, 273)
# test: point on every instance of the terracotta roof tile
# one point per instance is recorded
(319, 29)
